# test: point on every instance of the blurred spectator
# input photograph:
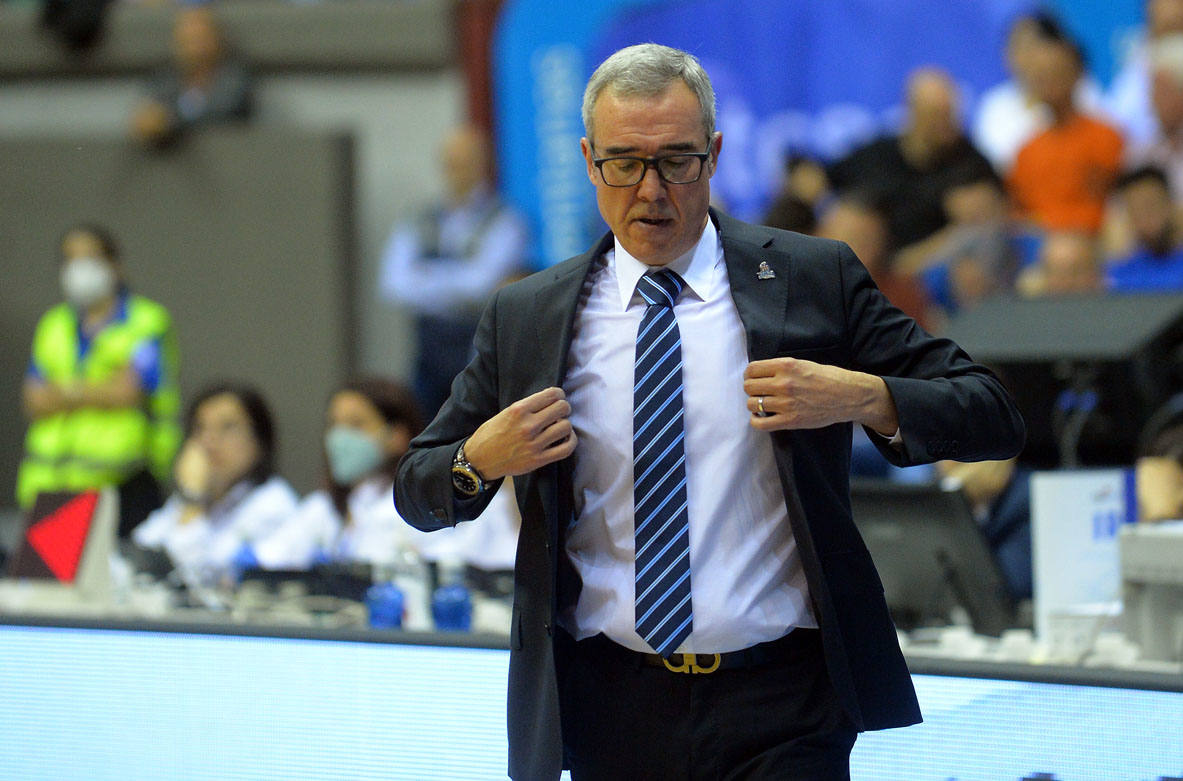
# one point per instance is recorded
(908, 173)
(100, 392)
(1010, 114)
(1062, 177)
(1164, 148)
(855, 219)
(1068, 265)
(227, 492)
(1158, 473)
(1000, 494)
(369, 423)
(1129, 97)
(803, 195)
(978, 253)
(203, 86)
(445, 265)
(1156, 264)
(790, 213)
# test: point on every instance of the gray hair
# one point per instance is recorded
(647, 70)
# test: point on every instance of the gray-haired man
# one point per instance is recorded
(692, 597)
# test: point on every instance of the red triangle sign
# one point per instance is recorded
(60, 536)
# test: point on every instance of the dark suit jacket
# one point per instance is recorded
(821, 306)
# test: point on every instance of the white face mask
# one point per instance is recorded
(87, 281)
(352, 454)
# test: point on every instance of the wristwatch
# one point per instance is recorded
(465, 479)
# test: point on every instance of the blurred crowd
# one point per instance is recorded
(1051, 187)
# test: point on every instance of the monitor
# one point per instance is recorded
(1086, 371)
(931, 555)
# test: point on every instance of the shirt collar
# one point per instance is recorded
(698, 268)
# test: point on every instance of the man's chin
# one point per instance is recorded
(653, 245)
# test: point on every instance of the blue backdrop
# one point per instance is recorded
(790, 75)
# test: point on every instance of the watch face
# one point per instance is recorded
(465, 481)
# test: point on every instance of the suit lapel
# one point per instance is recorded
(554, 311)
(761, 298)
(554, 324)
(763, 305)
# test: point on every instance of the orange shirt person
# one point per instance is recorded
(1062, 177)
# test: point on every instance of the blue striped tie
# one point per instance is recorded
(663, 615)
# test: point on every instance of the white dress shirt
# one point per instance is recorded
(747, 582)
(203, 547)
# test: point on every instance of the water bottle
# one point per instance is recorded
(384, 602)
(451, 604)
(408, 571)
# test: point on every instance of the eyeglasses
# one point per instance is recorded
(626, 171)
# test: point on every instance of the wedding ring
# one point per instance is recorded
(760, 407)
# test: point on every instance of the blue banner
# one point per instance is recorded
(790, 76)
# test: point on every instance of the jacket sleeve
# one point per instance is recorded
(423, 489)
(949, 407)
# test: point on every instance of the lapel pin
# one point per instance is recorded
(764, 272)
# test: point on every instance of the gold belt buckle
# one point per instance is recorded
(690, 664)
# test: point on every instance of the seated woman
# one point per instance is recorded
(227, 492)
(369, 424)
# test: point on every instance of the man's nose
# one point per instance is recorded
(651, 186)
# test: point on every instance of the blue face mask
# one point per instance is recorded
(352, 454)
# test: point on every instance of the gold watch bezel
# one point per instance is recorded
(465, 479)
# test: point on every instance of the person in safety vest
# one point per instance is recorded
(101, 391)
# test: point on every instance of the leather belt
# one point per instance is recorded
(782, 649)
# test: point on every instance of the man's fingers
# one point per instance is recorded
(536, 402)
(558, 410)
(556, 451)
(764, 386)
(766, 368)
(762, 406)
(563, 448)
(553, 433)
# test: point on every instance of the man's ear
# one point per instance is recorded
(586, 148)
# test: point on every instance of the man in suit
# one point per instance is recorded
(692, 599)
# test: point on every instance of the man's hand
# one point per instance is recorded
(526, 435)
(797, 394)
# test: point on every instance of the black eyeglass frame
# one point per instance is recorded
(651, 162)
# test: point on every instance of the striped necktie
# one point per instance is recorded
(662, 533)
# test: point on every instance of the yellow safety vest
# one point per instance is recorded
(94, 447)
